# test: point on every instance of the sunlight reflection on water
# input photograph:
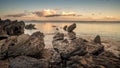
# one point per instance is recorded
(111, 30)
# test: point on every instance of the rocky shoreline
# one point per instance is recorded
(19, 50)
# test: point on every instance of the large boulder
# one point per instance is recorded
(8, 27)
(32, 46)
(15, 28)
(22, 45)
(28, 62)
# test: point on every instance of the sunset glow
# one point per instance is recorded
(60, 10)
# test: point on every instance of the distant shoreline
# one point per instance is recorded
(77, 21)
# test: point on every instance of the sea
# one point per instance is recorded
(106, 29)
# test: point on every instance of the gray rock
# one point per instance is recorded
(28, 62)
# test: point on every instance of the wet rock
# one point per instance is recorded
(28, 62)
(31, 46)
(97, 39)
(71, 27)
(58, 36)
(30, 26)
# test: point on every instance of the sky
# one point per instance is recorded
(61, 10)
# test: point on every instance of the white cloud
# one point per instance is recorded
(68, 13)
(45, 12)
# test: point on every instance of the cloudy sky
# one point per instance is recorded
(64, 10)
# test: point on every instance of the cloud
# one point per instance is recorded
(109, 17)
(53, 13)
(16, 15)
(68, 13)
(44, 13)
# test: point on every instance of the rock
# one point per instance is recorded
(28, 62)
(8, 27)
(97, 39)
(65, 27)
(107, 59)
(94, 49)
(31, 46)
(71, 27)
(15, 28)
(5, 46)
(30, 26)
(52, 56)
(71, 35)
(22, 45)
(58, 36)
(4, 63)
(4, 36)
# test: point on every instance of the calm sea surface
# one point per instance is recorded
(107, 30)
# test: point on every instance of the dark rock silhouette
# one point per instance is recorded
(65, 27)
(30, 26)
(71, 27)
(97, 39)
(8, 27)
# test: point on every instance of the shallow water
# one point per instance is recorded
(107, 30)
